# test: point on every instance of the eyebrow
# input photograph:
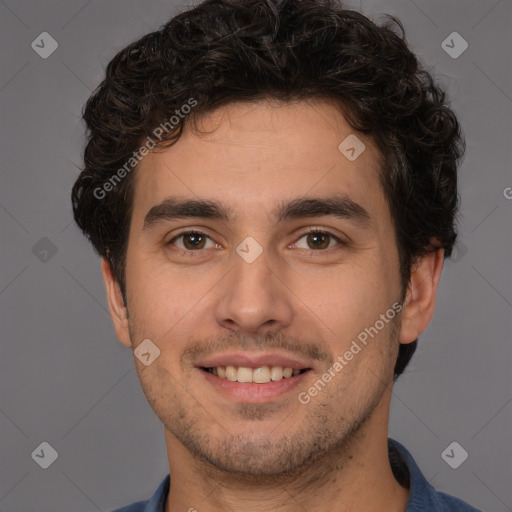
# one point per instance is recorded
(174, 208)
(340, 206)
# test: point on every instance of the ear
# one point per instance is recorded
(420, 299)
(118, 311)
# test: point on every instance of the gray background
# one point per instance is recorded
(64, 377)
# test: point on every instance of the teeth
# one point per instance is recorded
(231, 373)
(244, 374)
(260, 375)
(276, 373)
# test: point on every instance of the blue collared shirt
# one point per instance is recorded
(422, 496)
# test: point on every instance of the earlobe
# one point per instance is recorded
(117, 308)
(420, 300)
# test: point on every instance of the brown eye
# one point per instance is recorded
(318, 240)
(191, 241)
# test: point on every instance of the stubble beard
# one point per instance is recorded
(326, 437)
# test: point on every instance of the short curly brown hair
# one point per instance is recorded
(245, 50)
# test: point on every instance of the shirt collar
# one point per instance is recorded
(422, 496)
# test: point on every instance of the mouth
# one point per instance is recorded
(253, 378)
(258, 375)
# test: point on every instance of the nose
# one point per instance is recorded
(253, 298)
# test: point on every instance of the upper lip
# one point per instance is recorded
(253, 361)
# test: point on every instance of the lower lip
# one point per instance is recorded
(251, 392)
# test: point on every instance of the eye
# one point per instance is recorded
(192, 241)
(319, 240)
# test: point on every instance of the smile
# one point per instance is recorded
(260, 375)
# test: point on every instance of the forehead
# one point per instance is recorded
(251, 156)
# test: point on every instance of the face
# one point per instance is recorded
(286, 263)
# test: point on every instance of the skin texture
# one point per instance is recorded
(295, 299)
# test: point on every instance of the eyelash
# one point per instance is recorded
(312, 231)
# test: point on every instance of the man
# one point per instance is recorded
(272, 188)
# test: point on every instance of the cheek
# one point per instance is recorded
(348, 295)
(166, 304)
(347, 309)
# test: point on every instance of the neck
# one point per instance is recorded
(354, 476)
